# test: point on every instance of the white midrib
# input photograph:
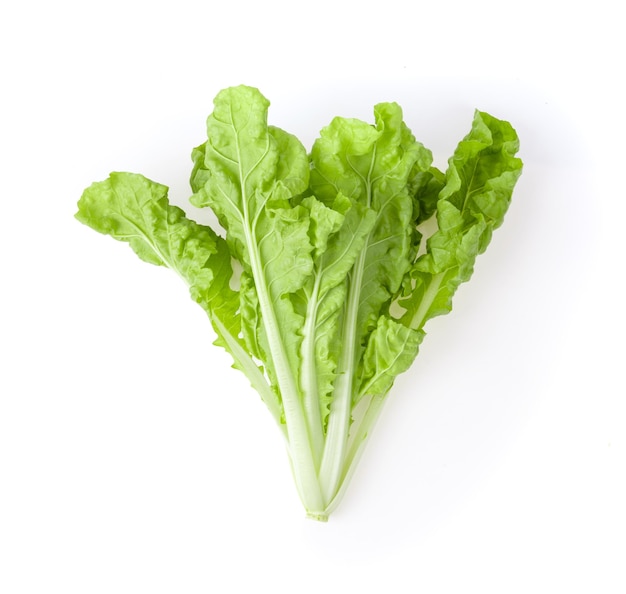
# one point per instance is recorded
(332, 466)
(310, 385)
(418, 319)
(339, 417)
(297, 433)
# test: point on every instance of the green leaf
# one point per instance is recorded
(391, 349)
(248, 172)
(131, 208)
(246, 168)
(134, 209)
(478, 187)
(342, 231)
(425, 186)
(252, 176)
(371, 165)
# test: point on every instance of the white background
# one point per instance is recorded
(133, 459)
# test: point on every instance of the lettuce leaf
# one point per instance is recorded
(476, 194)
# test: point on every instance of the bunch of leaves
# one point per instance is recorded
(325, 278)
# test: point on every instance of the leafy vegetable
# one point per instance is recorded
(334, 279)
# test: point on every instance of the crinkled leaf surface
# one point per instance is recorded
(478, 186)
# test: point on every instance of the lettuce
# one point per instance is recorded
(325, 278)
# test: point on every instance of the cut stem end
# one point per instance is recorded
(319, 516)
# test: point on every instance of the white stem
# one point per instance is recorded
(341, 405)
